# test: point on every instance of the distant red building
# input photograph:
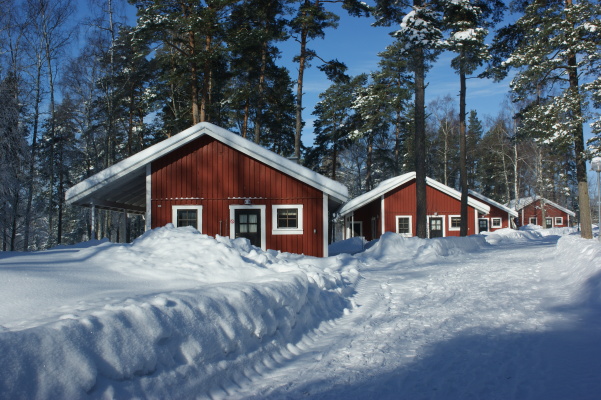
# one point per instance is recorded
(530, 210)
(499, 217)
(391, 207)
(222, 184)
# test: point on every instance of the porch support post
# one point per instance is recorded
(148, 215)
(382, 218)
(326, 220)
(124, 227)
(92, 220)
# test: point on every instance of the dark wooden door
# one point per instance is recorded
(248, 225)
(435, 227)
(482, 225)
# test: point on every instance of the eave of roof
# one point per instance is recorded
(492, 202)
(135, 166)
(393, 183)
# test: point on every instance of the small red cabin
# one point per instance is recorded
(221, 184)
(391, 207)
(499, 216)
(530, 210)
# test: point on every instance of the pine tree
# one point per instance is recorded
(420, 36)
(395, 78)
(309, 22)
(467, 22)
(556, 46)
(254, 29)
(191, 35)
(336, 120)
(473, 136)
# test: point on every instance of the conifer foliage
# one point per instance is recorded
(557, 56)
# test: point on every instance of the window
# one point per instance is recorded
(187, 216)
(454, 222)
(248, 223)
(496, 222)
(558, 220)
(532, 221)
(404, 225)
(548, 222)
(287, 219)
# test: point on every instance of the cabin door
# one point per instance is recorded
(482, 225)
(435, 227)
(248, 225)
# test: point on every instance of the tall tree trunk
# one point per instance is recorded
(61, 195)
(33, 154)
(369, 163)
(397, 144)
(52, 140)
(15, 216)
(206, 82)
(462, 152)
(299, 94)
(197, 111)
(420, 143)
(334, 160)
(583, 196)
(516, 189)
(245, 118)
(260, 93)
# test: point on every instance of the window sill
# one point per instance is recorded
(287, 232)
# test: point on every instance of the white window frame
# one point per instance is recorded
(558, 221)
(535, 221)
(546, 220)
(451, 228)
(396, 227)
(286, 231)
(175, 209)
(499, 223)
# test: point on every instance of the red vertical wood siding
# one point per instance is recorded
(534, 210)
(496, 212)
(209, 173)
(402, 201)
(365, 215)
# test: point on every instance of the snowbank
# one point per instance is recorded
(582, 268)
(147, 344)
(394, 247)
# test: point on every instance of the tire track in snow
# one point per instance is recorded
(407, 309)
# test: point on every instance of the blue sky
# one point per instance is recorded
(356, 43)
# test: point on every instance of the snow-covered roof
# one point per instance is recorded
(526, 201)
(392, 183)
(485, 199)
(122, 186)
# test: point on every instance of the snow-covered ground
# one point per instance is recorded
(177, 314)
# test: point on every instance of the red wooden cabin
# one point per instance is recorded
(391, 207)
(530, 210)
(499, 217)
(222, 184)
